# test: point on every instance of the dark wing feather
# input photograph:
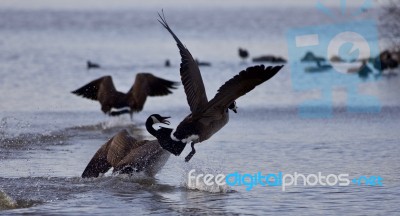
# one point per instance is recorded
(92, 89)
(120, 146)
(190, 75)
(241, 84)
(98, 164)
(102, 90)
(110, 154)
(141, 156)
(147, 84)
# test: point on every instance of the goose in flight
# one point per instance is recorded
(207, 117)
(128, 155)
(103, 90)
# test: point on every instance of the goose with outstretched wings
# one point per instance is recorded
(208, 117)
(104, 91)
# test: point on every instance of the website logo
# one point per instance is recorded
(339, 54)
(280, 179)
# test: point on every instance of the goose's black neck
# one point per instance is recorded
(149, 127)
(163, 136)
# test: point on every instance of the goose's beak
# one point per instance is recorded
(165, 121)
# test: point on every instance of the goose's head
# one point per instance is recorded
(233, 107)
(156, 118)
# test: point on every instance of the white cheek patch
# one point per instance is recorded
(173, 137)
(191, 138)
(155, 120)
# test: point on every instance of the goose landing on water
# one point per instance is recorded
(128, 155)
(103, 90)
(207, 117)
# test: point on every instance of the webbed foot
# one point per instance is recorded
(190, 155)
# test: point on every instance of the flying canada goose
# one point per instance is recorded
(207, 117)
(127, 154)
(103, 90)
(91, 65)
(243, 54)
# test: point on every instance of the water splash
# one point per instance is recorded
(25, 141)
(194, 184)
(14, 126)
(6, 202)
(113, 122)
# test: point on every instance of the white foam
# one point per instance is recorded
(133, 176)
(116, 121)
(6, 202)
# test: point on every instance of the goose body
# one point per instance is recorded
(243, 53)
(199, 128)
(208, 117)
(127, 155)
(104, 91)
(91, 65)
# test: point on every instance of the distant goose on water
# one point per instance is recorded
(167, 63)
(207, 117)
(202, 63)
(103, 90)
(361, 69)
(128, 155)
(243, 53)
(91, 65)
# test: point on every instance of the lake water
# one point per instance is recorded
(48, 135)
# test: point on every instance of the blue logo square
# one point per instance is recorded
(313, 55)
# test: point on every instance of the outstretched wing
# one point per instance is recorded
(98, 164)
(96, 88)
(239, 85)
(102, 90)
(147, 84)
(141, 156)
(190, 74)
(110, 154)
(120, 146)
